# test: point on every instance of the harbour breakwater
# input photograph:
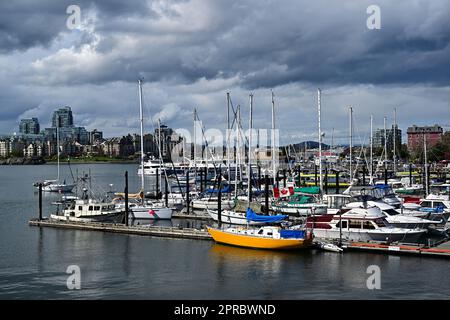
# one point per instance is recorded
(22, 161)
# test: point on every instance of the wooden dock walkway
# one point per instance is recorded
(441, 249)
(171, 232)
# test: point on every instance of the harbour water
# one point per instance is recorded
(33, 261)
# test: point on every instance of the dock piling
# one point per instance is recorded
(166, 191)
(187, 192)
(126, 198)
(266, 193)
(40, 201)
(157, 183)
(219, 199)
(337, 182)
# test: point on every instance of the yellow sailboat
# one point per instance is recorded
(266, 237)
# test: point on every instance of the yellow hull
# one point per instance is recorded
(257, 242)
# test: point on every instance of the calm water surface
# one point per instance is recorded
(33, 261)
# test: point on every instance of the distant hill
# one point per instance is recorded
(309, 145)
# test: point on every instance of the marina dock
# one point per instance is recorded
(156, 231)
(441, 249)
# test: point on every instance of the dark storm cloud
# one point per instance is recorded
(192, 52)
(265, 43)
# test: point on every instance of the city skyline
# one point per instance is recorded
(227, 47)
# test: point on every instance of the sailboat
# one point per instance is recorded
(142, 208)
(265, 237)
(55, 185)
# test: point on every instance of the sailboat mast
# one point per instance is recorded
(320, 140)
(273, 141)
(394, 136)
(228, 136)
(425, 164)
(351, 144)
(371, 150)
(195, 143)
(385, 143)
(236, 155)
(141, 113)
(57, 143)
(249, 170)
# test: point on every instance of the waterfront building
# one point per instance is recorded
(378, 138)
(29, 126)
(94, 136)
(62, 118)
(416, 134)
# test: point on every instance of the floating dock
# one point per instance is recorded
(156, 231)
(441, 249)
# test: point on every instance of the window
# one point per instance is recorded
(269, 233)
(354, 224)
(260, 231)
(80, 208)
(391, 212)
(96, 208)
(90, 208)
(426, 204)
(368, 225)
(344, 224)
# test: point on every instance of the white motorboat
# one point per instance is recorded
(151, 167)
(361, 224)
(330, 247)
(210, 203)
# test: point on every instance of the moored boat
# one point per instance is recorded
(89, 210)
(361, 224)
(266, 237)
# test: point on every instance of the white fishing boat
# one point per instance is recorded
(89, 210)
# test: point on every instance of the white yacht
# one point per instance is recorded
(361, 224)
(394, 217)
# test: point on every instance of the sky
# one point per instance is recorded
(190, 53)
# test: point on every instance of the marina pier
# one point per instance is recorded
(438, 249)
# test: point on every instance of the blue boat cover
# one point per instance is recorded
(224, 190)
(296, 234)
(382, 186)
(252, 216)
(432, 210)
